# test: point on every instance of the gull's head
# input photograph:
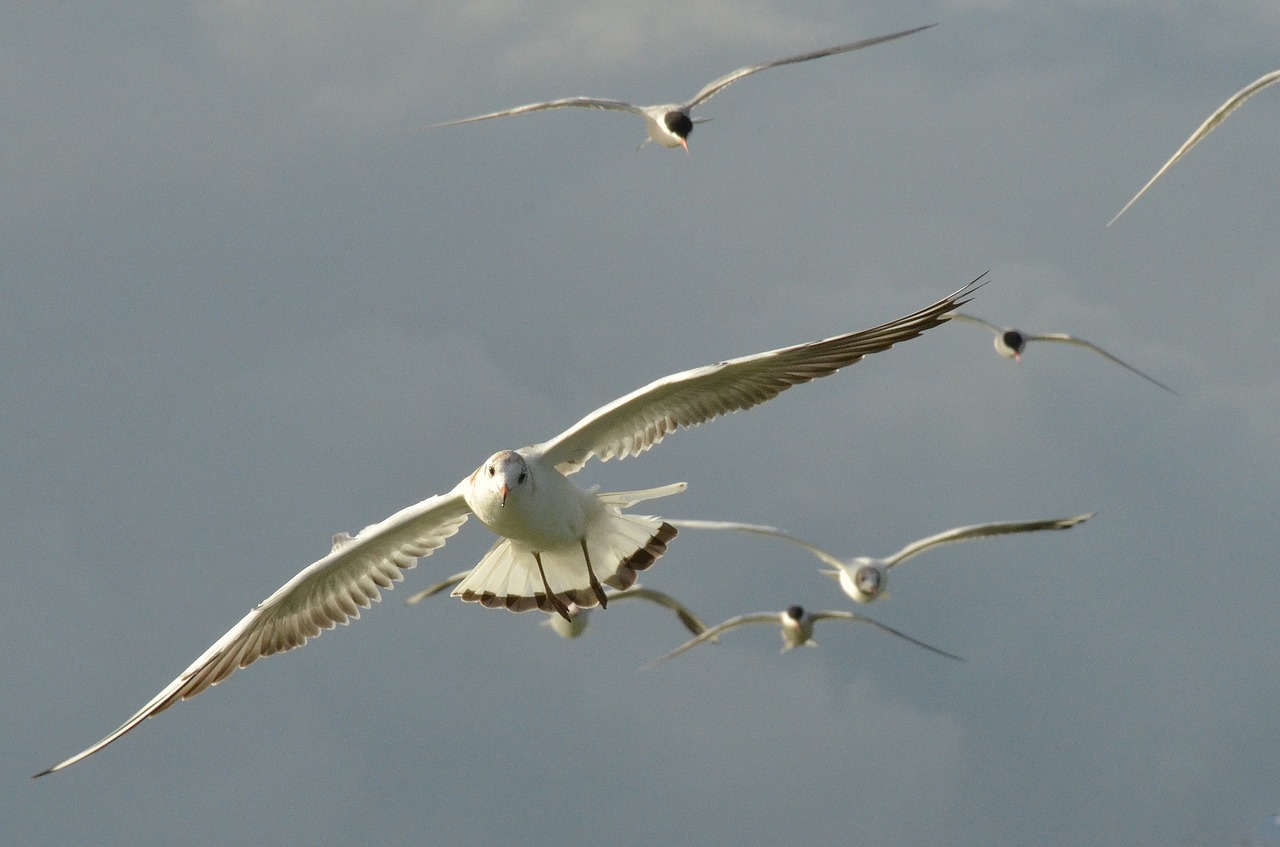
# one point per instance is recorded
(571, 628)
(864, 581)
(679, 124)
(502, 476)
(1010, 343)
(793, 616)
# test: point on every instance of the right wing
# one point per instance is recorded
(710, 634)
(331, 591)
(564, 103)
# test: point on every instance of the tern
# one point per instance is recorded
(558, 543)
(1010, 342)
(576, 623)
(797, 630)
(1207, 127)
(864, 578)
(669, 124)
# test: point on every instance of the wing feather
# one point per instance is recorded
(1210, 123)
(982, 530)
(711, 89)
(760, 529)
(713, 632)
(329, 592)
(632, 424)
(563, 103)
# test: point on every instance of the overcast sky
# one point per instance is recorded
(246, 304)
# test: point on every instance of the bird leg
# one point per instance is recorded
(596, 587)
(556, 602)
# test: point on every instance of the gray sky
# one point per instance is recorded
(246, 306)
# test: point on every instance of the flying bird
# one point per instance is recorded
(558, 543)
(1010, 342)
(669, 124)
(797, 630)
(865, 579)
(576, 623)
(1207, 127)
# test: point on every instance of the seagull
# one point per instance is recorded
(797, 630)
(865, 579)
(558, 543)
(1205, 128)
(576, 623)
(669, 124)
(1009, 343)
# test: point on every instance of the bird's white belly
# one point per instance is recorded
(554, 513)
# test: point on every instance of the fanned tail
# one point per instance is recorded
(620, 546)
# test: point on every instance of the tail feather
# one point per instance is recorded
(619, 545)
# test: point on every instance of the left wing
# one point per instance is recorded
(1089, 345)
(760, 529)
(632, 424)
(711, 89)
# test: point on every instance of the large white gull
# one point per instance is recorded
(559, 544)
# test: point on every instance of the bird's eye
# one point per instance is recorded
(491, 470)
(523, 476)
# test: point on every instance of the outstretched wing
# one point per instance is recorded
(710, 634)
(982, 530)
(563, 103)
(432, 590)
(712, 88)
(1208, 126)
(632, 424)
(1088, 345)
(331, 591)
(759, 529)
(974, 319)
(691, 621)
(854, 616)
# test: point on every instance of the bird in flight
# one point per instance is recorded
(1211, 123)
(558, 544)
(797, 630)
(669, 124)
(1010, 343)
(864, 578)
(576, 623)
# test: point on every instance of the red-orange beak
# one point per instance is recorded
(685, 145)
(506, 489)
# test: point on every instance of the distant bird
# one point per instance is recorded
(1010, 342)
(865, 579)
(797, 630)
(1205, 128)
(576, 623)
(559, 544)
(670, 124)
